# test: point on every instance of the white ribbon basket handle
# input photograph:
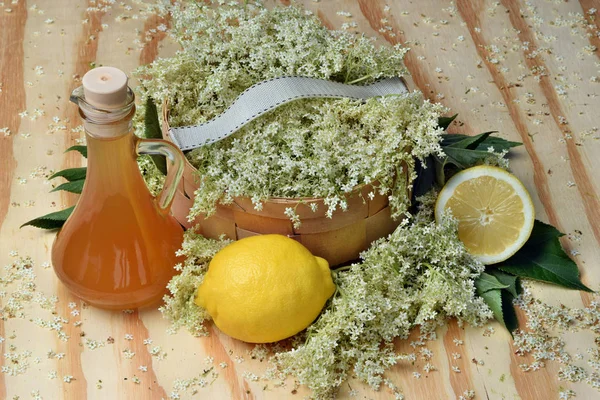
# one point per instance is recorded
(270, 94)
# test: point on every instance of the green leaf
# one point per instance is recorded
(487, 282)
(444, 122)
(509, 316)
(151, 123)
(152, 131)
(463, 151)
(493, 298)
(81, 149)
(498, 143)
(440, 173)
(542, 258)
(73, 187)
(53, 220)
(500, 302)
(495, 293)
(464, 158)
(71, 174)
(468, 151)
(471, 142)
(511, 281)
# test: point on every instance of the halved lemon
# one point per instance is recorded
(494, 211)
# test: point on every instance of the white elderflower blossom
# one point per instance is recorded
(94, 344)
(467, 395)
(426, 354)
(128, 354)
(566, 394)
(419, 275)
(307, 148)
(180, 307)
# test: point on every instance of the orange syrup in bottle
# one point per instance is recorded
(118, 248)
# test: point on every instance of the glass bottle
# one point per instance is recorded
(117, 249)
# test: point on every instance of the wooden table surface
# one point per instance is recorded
(528, 70)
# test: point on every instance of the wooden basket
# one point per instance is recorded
(338, 239)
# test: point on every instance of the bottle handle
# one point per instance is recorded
(175, 166)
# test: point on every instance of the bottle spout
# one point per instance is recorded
(77, 96)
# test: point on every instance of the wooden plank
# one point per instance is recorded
(12, 33)
(470, 56)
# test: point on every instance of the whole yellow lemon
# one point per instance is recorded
(266, 288)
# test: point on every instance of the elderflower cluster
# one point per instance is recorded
(420, 275)
(152, 176)
(179, 306)
(18, 291)
(544, 339)
(307, 148)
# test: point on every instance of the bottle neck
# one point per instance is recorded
(110, 142)
(112, 160)
(105, 122)
(107, 129)
(112, 148)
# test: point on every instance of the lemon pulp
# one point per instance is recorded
(494, 211)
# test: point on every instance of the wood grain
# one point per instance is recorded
(469, 11)
(470, 56)
(373, 12)
(12, 31)
(150, 386)
(76, 389)
(593, 29)
(150, 50)
(86, 49)
(463, 380)
(588, 193)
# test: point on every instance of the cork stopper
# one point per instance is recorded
(105, 88)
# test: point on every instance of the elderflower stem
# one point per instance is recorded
(360, 79)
